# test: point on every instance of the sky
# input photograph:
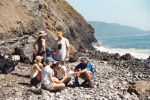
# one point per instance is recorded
(134, 13)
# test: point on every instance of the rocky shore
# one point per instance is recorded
(113, 79)
(114, 74)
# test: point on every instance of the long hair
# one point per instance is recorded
(40, 37)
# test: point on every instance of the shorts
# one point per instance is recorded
(34, 81)
(83, 76)
(48, 87)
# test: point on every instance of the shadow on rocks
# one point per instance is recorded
(25, 76)
(26, 84)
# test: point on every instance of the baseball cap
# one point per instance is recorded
(84, 58)
(59, 33)
(39, 58)
(49, 59)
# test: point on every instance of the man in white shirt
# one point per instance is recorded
(61, 48)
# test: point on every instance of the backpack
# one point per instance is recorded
(48, 51)
(20, 52)
(7, 65)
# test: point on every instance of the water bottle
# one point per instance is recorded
(73, 81)
(72, 78)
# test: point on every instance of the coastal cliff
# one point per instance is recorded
(24, 18)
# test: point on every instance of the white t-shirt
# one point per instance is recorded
(61, 49)
(46, 72)
(60, 72)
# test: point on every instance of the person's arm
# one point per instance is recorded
(68, 51)
(35, 66)
(51, 76)
(68, 48)
(34, 45)
(52, 79)
(55, 72)
(80, 72)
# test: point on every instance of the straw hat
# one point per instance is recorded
(42, 33)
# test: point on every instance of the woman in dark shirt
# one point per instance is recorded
(40, 42)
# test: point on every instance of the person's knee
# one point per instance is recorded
(63, 85)
(88, 75)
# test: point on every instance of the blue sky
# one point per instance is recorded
(134, 13)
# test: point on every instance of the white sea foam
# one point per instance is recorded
(137, 53)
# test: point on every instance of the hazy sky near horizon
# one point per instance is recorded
(134, 13)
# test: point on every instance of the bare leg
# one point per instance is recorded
(88, 75)
(58, 86)
(66, 81)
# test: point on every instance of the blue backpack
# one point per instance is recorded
(48, 51)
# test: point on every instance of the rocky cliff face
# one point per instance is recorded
(24, 18)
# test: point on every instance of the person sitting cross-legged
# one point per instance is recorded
(48, 81)
(36, 70)
(60, 73)
(85, 71)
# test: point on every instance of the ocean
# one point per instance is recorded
(137, 46)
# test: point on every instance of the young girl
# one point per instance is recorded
(60, 73)
(48, 82)
(35, 71)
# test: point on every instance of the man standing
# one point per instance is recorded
(61, 48)
(85, 71)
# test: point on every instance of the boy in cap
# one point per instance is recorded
(48, 82)
(61, 48)
(86, 72)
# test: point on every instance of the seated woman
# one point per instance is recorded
(60, 73)
(35, 71)
(48, 82)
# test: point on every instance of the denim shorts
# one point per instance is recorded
(48, 87)
(83, 76)
(34, 81)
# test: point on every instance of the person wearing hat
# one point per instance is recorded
(60, 72)
(35, 71)
(40, 42)
(61, 48)
(48, 81)
(83, 70)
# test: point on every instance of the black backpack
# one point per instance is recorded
(48, 51)
(20, 52)
(7, 65)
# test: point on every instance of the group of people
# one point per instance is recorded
(51, 71)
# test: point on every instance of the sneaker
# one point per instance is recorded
(87, 83)
(91, 84)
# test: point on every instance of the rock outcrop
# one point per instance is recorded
(26, 17)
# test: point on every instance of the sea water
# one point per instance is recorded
(137, 46)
